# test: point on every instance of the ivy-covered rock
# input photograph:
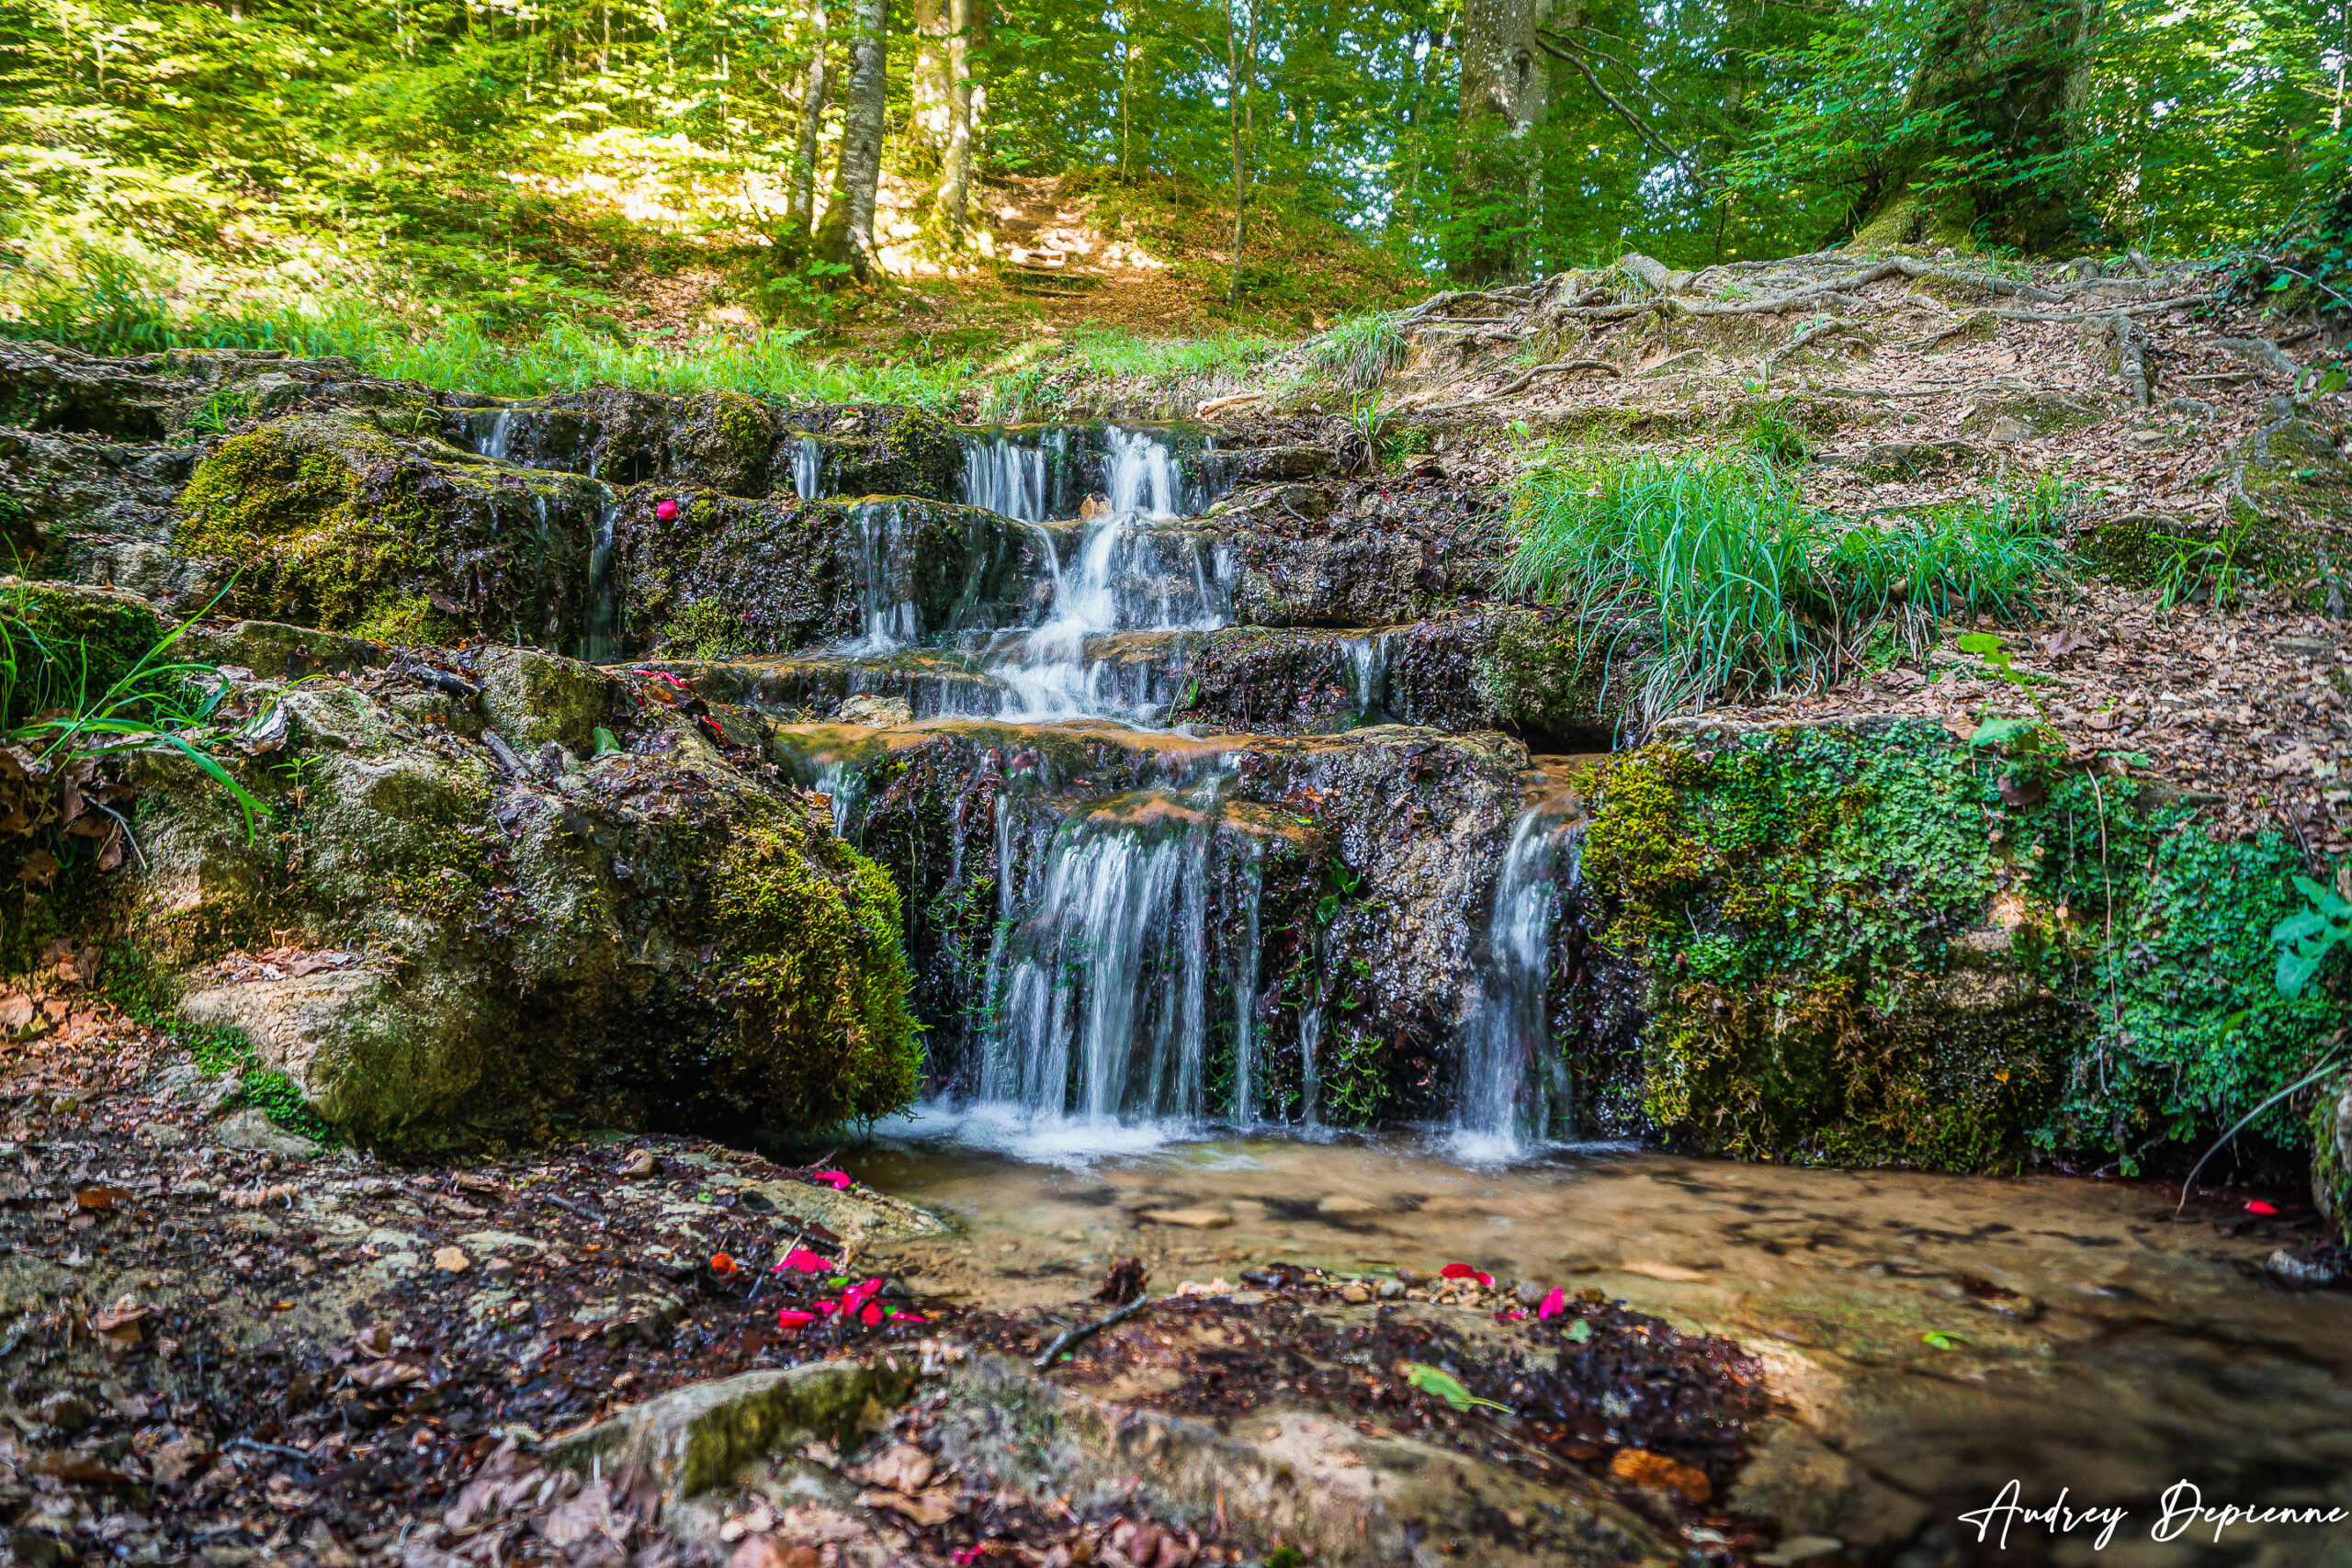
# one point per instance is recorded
(1873, 941)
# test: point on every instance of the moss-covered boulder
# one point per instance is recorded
(2289, 489)
(324, 520)
(668, 935)
(1871, 942)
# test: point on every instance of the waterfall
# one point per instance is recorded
(492, 443)
(807, 469)
(602, 645)
(1244, 1002)
(1015, 478)
(1102, 1009)
(1368, 664)
(1506, 1098)
(1140, 475)
(1128, 576)
(889, 614)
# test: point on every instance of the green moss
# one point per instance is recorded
(290, 507)
(817, 980)
(1552, 675)
(1862, 949)
(704, 629)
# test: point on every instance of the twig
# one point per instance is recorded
(280, 1449)
(1070, 1337)
(2327, 1066)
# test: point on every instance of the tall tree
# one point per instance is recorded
(1241, 77)
(846, 236)
(1996, 114)
(928, 86)
(956, 160)
(1506, 91)
(801, 206)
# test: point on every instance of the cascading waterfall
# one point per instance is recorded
(1368, 668)
(807, 469)
(1102, 987)
(1011, 477)
(1508, 1093)
(1139, 474)
(891, 622)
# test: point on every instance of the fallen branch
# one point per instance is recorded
(1214, 406)
(1069, 1337)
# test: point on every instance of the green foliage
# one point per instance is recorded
(2305, 940)
(1814, 906)
(220, 1051)
(1748, 586)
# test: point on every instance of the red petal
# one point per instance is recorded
(1456, 1272)
(871, 1315)
(2256, 1206)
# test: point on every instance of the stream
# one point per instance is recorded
(2095, 1342)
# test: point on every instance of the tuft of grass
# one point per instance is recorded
(1358, 354)
(1747, 587)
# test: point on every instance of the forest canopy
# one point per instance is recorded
(514, 154)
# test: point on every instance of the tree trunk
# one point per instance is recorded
(1505, 96)
(846, 236)
(1241, 74)
(927, 125)
(800, 210)
(2005, 83)
(956, 162)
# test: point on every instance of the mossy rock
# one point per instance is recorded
(1552, 674)
(71, 645)
(658, 937)
(1862, 948)
(323, 520)
(897, 452)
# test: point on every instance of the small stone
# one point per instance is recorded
(1342, 1204)
(1529, 1293)
(1799, 1550)
(1355, 1295)
(638, 1164)
(159, 1136)
(1078, 1236)
(2294, 1269)
(69, 1412)
(451, 1260)
(252, 1129)
(1390, 1290)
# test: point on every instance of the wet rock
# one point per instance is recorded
(252, 1129)
(2309, 1268)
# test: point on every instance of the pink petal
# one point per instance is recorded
(871, 1315)
(2256, 1206)
(1456, 1272)
(1553, 1304)
(805, 1261)
(788, 1318)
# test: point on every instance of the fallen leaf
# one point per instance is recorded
(1659, 1473)
(381, 1375)
(638, 1164)
(1942, 1340)
(100, 1197)
(905, 1468)
(922, 1510)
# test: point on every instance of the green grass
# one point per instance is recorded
(1114, 351)
(105, 304)
(1358, 354)
(1746, 586)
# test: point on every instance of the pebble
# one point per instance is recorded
(1194, 1219)
(1390, 1290)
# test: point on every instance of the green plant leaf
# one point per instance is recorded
(1446, 1387)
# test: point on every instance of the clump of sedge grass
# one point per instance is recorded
(1358, 354)
(1746, 586)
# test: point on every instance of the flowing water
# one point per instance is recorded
(1510, 1097)
(2089, 1339)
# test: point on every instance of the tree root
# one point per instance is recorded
(1811, 335)
(1069, 1337)
(1526, 380)
(2131, 357)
